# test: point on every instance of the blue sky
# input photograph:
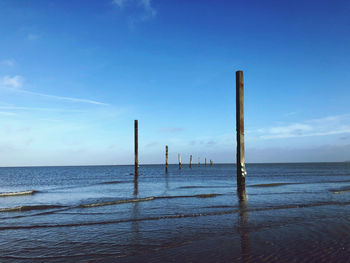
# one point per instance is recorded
(75, 74)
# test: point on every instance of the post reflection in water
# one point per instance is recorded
(135, 213)
(243, 229)
(136, 186)
(167, 182)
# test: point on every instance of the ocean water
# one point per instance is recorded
(288, 212)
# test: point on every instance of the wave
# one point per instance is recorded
(8, 194)
(200, 186)
(315, 182)
(29, 208)
(271, 185)
(120, 220)
(117, 202)
(188, 196)
(145, 199)
(115, 182)
(134, 200)
(341, 190)
(177, 216)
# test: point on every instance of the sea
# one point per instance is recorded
(296, 212)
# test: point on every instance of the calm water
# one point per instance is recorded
(289, 212)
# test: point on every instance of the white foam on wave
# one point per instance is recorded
(8, 194)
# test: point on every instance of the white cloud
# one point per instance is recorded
(14, 82)
(8, 62)
(329, 125)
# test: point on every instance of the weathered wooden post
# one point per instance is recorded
(199, 161)
(205, 162)
(241, 172)
(136, 149)
(179, 161)
(190, 161)
(166, 158)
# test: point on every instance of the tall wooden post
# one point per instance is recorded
(205, 162)
(166, 158)
(136, 129)
(241, 172)
(190, 161)
(199, 161)
(179, 161)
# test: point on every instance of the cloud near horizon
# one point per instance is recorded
(329, 125)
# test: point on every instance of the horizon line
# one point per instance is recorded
(147, 164)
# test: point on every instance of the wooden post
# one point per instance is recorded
(205, 162)
(179, 161)
(166, 158)
(190, 161)
(199, 161)
(136, 149)
(241, 172)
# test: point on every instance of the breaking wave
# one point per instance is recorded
(8, 194)
(29, 208)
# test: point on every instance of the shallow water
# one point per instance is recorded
(289, 212)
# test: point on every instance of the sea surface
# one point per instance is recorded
(288, 213)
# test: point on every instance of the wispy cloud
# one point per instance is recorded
(19, 108)
(7, 113)
(70, 99)
(14, 82)
(32, 37)
(120, 3)
(329, 125)
(8, 62)
(145, 6)
(148, 7)
(290, 113)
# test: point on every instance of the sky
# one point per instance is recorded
(74, 75)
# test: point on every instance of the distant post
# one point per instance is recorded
(199, 161)
(205, 162)
(241, 172)
(136, 148)
(190, 161)
(166, 158)
(179, 161)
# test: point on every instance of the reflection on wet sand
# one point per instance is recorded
(243, 224)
